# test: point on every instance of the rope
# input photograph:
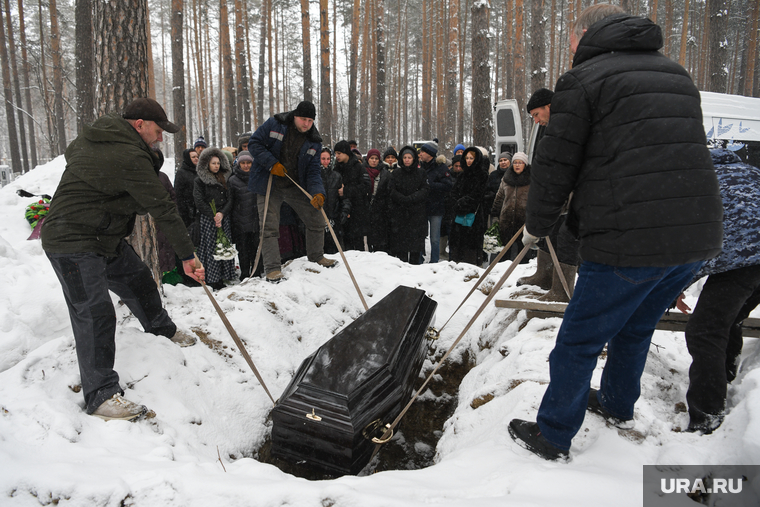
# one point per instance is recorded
(493, 265)
(337, 243)
(389, 428)
(237, 340)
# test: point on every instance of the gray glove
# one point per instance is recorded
(529, 239)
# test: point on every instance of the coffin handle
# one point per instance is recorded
(432, 333)
(313, 416)
(375, 427)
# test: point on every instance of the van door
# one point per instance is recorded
(508, 127)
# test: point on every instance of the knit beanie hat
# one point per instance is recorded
(343, 147)
(540, 98)
(455, 159)
(390, 152)
(505, 154)
(431, 148)
(305, 109)
(245, 156)
(200, 142)
(520, 156)
(458, 147)
(373, 152)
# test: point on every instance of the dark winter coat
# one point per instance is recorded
(440, 182)
(492, 188)
(245, 212)
(740, 189)
(407, 209)
(379, 225)
(166, 260)
(356, 189)
(336, 208)
(466, 243)
(626, 136)
(208, 188)
(510, 202)
(109, 179)
(184, 179)
(265, 145)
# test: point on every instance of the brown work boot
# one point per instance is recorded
(326, 263)
(274, 276)
(543, 276)
(557, 293)
(183, 339)
(118, 408)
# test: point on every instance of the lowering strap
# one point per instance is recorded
(335, 239)
(389, 427)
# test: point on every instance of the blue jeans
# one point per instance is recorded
(435, 237)
(614, 306)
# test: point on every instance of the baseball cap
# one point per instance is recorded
(149, 110)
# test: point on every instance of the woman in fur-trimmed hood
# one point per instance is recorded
(214, 171)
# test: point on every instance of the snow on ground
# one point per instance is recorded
(212, 413)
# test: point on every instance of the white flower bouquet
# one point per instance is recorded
(224, 251)
(491, 240)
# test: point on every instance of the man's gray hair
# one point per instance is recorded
(592, 14)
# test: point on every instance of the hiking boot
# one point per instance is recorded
(326, 263)
(118, 408)
(557, 292)
(544, 270)
(528, 436)
(597, 408)
(183, 339)
(274, 276)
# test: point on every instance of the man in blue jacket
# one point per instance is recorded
(626, 138)
(287, 149)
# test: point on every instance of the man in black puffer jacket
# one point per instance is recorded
(626, 137)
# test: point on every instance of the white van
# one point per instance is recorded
(732, 118)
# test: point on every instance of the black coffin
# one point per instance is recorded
(365, 373)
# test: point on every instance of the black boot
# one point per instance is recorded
(528, 436)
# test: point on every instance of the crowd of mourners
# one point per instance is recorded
(391, 201)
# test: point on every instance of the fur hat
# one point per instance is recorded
(540, 98)
(203, 171)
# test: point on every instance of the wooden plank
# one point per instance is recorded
(675, 321)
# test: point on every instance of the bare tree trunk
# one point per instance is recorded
(538, 46)
(380, 138)
(262, 60)
(55, 42)
(482, 122)
(427, 42)
(335, 128)
(27, 88)
(122, 63)
(243, 93)
(84, 64)
(151, 74)
(460, 102)
(272, 66)
(44, 85)
(751, 52)
(233, 126)
(684, 33)
(353, 71)
(178, 81)
(519, 53)
(451, 84)
(308, 86)
(17, 88)
(9, 113)
(325, 99)
(718, 10)
(667, 49)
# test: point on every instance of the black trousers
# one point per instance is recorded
(247, 243)
(86, 279)
(714, 340)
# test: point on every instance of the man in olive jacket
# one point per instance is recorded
(626, 137)
(110, 177)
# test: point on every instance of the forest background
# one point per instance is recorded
(383, 72)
